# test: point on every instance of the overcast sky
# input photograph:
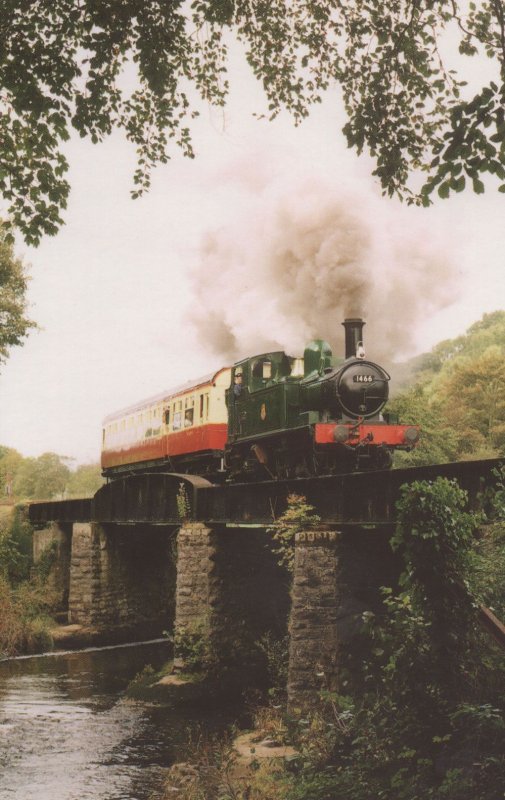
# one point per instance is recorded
(130, 295)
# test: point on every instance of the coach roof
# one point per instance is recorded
(169, 394)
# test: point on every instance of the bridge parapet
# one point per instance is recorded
(152, 498)
(344, 500)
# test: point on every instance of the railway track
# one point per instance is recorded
(356, 499)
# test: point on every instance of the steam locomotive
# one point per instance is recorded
(269, 416)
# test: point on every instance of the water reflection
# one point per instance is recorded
(68, 733)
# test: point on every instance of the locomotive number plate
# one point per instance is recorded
(363, 378)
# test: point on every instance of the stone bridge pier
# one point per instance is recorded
(337, 575)
(54, 543)
(217, 584)
(230, 593)
(111, 576)
(122, 576)
(219, 588)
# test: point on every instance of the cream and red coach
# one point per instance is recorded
(181, 430)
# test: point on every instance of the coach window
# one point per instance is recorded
(201, 406)
(166, 416)
(188, 417)
(177, 424)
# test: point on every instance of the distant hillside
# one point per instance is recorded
(456, 393)
(487, 332)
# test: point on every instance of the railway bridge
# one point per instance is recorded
(166, 551)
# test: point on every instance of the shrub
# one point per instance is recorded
(191, 645)
(16, 547)
(299, 516)
(11, 625)
(25, 620)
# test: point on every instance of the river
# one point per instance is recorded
(68, 732)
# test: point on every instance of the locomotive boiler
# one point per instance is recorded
(270, 415)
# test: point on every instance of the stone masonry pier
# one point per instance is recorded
(336, 578)
(219, 584)
(220, 590)
(230, 592)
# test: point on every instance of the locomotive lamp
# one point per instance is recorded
(411, 436)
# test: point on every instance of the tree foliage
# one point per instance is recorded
(434, 534)
(84, 481)
(458, 396)
(41, 478)
(478, 416)
(10, 461)
(45, 477)
(14, 324)
(62, 67)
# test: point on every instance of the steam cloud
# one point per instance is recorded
(295, 260)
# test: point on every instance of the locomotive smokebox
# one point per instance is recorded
(353, 335)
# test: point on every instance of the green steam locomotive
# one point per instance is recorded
(319, 415)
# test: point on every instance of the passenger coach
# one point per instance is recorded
(170, 430)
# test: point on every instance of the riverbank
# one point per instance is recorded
(72, 636)
(25, 633)
(256, 764)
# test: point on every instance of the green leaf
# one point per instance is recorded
(458, 184)
(478, 186)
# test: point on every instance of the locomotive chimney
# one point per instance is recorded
(353, 335)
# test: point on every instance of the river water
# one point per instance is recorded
(67, 731)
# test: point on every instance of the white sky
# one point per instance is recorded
(112, 291)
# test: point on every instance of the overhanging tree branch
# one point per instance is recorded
(62, 61)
